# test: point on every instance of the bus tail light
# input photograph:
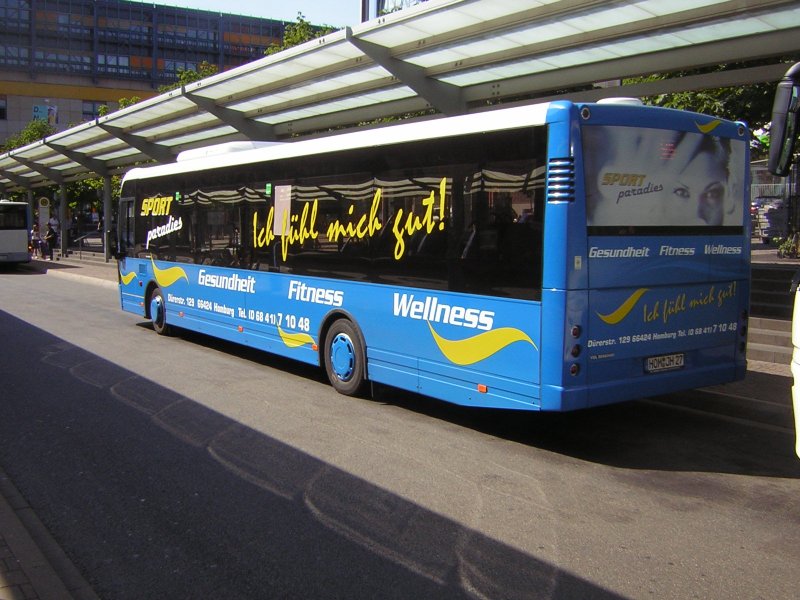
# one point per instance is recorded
(575, 331)
(574, 369)
(483, 388)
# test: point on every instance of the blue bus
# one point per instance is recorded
(15, 232)
(547, 257)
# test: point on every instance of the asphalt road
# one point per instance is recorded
(188, 468)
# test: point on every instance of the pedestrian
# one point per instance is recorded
(36, 241)
(50, 239)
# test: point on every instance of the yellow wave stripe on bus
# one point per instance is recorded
(624, 310)
(126, 278)
(477, 348)
(708, 127)
(295, 340)
(166, 277)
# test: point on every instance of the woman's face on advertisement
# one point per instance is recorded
(699, 191)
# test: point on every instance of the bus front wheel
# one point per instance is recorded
(158, 312)
(344, 358)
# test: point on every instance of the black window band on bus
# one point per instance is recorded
(671, 231)
(491, 241)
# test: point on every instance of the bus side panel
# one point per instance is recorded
(470, 387)
(474, 351)
(391, 368)
(455, 347)
(134, 275)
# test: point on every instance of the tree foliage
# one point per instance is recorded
(749, 103)
(33, 132)
(187, 76)
(298, 33)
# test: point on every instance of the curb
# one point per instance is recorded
(35, 565)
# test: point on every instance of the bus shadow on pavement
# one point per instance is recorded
(152, 472)
(689, 431)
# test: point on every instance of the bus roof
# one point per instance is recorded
(510, 118)
(244, 153)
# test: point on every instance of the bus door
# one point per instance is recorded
(131, 295)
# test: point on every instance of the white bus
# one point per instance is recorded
(15, 232)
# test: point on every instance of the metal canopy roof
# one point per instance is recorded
(451, 56)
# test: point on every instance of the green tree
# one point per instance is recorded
(298, 33)
(126, 102)
(187, 76)
(749, 103)
(90, 192)
(33, 132)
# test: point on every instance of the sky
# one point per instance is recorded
(337, 13)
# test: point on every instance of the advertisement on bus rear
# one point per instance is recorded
(640, 177)
(660, 320)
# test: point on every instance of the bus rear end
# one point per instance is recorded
(15, 219)
(654, 288)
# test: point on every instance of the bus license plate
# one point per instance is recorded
(665, 362)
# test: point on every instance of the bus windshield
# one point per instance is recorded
(547, 257)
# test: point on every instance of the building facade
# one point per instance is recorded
(61, 60)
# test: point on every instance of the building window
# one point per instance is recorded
(112, 63)
(91, 109)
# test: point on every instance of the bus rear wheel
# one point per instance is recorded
(345, 362)
(158, 312)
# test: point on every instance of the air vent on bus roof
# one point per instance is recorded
(560, 179)
(621, 100)
(220, 149)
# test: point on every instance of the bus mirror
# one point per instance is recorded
(783, 131)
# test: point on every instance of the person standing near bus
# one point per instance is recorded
(50, 239)
(36, 241)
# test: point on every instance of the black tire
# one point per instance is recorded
(344, 358)
(158, 312)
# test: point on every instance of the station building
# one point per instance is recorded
(61, 60)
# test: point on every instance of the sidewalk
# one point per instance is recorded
(93, 271)
(33, 566)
